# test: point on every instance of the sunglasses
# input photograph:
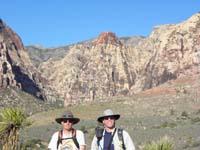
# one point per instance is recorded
(109, 117)
(67, 120)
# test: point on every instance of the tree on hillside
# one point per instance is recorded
(11, 121)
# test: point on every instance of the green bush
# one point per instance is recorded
(162, 144)
(83, 128)
(184, 114)
(12, 119)
(33, 144)
(195, 120)
(166, 125)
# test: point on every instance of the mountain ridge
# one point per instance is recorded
(109, 66)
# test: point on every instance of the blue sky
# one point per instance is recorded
(53, 23)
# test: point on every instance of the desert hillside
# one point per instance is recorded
(171, 110)
(153, 82)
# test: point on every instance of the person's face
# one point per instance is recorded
(67, 124)
(109, 122)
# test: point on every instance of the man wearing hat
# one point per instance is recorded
(112, 138)
(68, 138)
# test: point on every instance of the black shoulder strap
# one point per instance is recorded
(111, 138)
(99, 134)
(73, 138)
(121, 138)
(59, 138)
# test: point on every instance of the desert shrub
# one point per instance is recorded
(11, 121)
(191, 142)
(83, 128)
(172, 112)
(195, 120)
(163, 144)
(184, 114)
(33, 144)
(166, 125)
(198, 111)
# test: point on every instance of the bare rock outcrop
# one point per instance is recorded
(108, 38)
(16, 69)
(175, 52)
(109, 68)
(104, 69)
(105, 66)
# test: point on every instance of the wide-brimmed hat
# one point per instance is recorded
(108, 113)
(69, 116)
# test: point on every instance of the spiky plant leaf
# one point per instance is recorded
(11, 121)
(163, 144)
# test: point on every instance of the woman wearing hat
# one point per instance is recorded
(68, 138)
(111, 138)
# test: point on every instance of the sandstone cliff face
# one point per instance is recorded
(15, 66)
(106, 66)
(175, 52)
(103, 68)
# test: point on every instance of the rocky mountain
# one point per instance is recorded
(39, 54)
(175, 52)
(16, 70)
(106, 66)
(102, 67)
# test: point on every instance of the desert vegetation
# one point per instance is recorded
(11, 121)
(149, 120)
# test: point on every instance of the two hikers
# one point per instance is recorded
(107, 138)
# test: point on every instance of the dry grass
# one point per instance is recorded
(140, 114)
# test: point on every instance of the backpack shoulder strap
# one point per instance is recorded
(111, 138)
(59, 138)
(74, 138)
(99, 134)
(121, 138)
(60, 133)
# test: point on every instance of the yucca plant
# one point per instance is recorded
(163, 144)
(11, 121)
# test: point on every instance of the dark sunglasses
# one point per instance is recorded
(109, 117)
(67, 120)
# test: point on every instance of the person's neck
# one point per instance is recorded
(109, 130)
(67, 132)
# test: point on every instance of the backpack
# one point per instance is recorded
(60, 133)
(99, 135)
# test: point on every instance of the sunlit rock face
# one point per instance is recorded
(106, 67)
(16, 69)
(175, 52)
(108, 38)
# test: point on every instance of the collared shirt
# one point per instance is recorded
(116, 142)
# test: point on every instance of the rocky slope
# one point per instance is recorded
(16, 70)
(107, 67)
(39, 54)
(102, 67)
(175, 52)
